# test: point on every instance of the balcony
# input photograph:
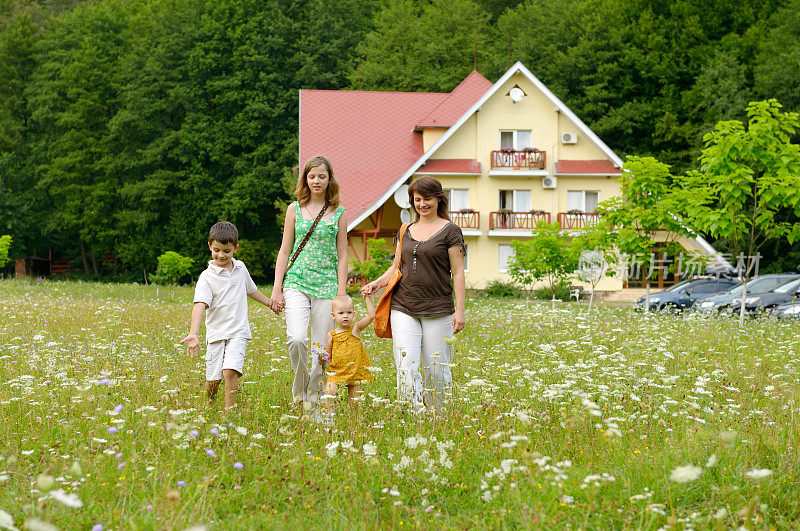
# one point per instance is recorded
(466, 218)
(517, 220)
(519, 159)
(577, 220)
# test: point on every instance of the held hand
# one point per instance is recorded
(370, 288)
(192, 343)
(274, 306)
(277, 300)
(458, 322)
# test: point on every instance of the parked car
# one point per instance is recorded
(787, 310)
(766, 301)
(731, 299)
(683, 294)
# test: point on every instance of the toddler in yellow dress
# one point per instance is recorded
(348, 357)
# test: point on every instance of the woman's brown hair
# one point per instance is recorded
(429, 187)
(303, 193)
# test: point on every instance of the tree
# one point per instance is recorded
(644, 215)
(400, 53)
(595, 254)
(73, 98)
(18, 205)
(748, 187)
(545, 256)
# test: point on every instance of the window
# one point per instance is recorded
(459, 199)
(516, 200)
(582, 200)
(515, 139)
(505, 252)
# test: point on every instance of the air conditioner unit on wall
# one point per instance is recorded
(569, 138)
(549, 182)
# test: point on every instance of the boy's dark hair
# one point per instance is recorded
(223, 232)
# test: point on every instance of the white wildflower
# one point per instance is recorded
(69, 499)
(712, 461)
(37, 524)
(370, 449)
(685, 474)
(758, 473)
(330, 448)
(241, 430)
(7, 521)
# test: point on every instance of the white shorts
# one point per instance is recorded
(225, 354)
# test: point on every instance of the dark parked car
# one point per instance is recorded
(731, 299)
(766, 301)
(683, 294)
(787, 310)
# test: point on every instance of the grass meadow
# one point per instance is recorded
(559, 419)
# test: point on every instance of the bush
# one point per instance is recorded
(380, 258)
(500, 289)
(258, 256)
(171, 268)
(560, 291)
(5, 244)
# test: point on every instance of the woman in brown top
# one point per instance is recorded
(423, 315)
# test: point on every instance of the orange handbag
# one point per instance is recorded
(382, 323)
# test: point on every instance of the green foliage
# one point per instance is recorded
(647, 206)
(545, 256)
(501, 290)
(171, 268)
(130, 126)
(400, 53)
(748, 187)
(258, 256)
(560, 292)
(5, 245)
(380, 258)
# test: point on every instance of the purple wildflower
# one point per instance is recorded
(194, 433)
(181, 483)
(214, 431)
(113, 430)
(122, 465)
(117, 409)
(211, 452)
(97, 527)
(238, 466)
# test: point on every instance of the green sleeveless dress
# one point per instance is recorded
(314, 271)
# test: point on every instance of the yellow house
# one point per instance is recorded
(510, 154)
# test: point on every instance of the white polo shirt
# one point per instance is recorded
(225, 293)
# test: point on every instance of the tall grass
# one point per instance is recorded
(559, 419)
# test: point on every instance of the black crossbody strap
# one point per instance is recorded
(307, 236)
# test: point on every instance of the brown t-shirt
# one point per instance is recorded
(424, 289)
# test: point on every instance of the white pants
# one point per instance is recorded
(418, 343)
(301, 309)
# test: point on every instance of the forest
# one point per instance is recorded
(127, 127)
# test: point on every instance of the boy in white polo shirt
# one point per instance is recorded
(223, 289)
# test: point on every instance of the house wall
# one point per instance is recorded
(476, 139)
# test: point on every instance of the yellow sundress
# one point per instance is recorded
(347, 348)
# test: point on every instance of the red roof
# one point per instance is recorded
(369, 136)
(451, 166)
(586, 167)
(463, 96)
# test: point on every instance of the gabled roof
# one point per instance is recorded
(465, 94)
(586, 167)
(468, 166)
(368, 137)
(518, 67)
